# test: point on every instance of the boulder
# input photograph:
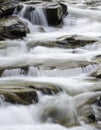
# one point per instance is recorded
(12, 28)
(7, 7)
(55, 13)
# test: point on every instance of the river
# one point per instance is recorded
(66, 67)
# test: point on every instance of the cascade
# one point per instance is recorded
(50, 78)
(35, 15)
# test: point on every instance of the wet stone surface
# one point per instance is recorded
(12, 28)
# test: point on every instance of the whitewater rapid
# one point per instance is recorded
(58, 67)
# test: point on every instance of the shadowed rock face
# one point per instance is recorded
(54, 13)
(12, 28)
(7, 7)
(17, 96)
(25, 94)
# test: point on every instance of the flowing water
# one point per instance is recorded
(58, 66)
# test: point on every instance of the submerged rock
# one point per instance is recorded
(12, 28)
(44, 63)
(59, 109)
(69, 111)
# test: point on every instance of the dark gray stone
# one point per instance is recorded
(12, 28)
(7, 7)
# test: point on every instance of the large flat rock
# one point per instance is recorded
(25, 94)
(61, 40)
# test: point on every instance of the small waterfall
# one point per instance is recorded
(34, 14)
(13, 72)
(32, 71)
(2, 99)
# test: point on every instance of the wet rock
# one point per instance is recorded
(86, 114)
(41, 29)
(19, 96)
(96, 107)
(93, 3)
(26, 94)
(30, 97)
(50, 91)
(7, 7)
(97, 102)
(23, 0)
(97, 59)
(19, 8)
(55, 13)
(97, 73)
(12, 28)
(64, 64)
(64, 8)
(67, 41)
(73, 41)
(46, 89)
